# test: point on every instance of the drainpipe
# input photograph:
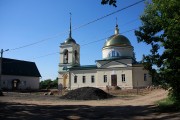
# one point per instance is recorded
(69, 80)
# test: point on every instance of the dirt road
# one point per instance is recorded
(28, 106)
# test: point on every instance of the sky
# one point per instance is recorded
(32, 30)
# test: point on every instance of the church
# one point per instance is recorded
(118, 66)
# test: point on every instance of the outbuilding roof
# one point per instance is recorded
(19, 68)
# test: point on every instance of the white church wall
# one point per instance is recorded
(138, 76)
(118, 72)
(127, 84)
(99, 78)
(80, 74)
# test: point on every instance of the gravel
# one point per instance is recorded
(86, 93)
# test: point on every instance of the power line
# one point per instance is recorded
(36, 42)
(79, 26)
(82, 45)
(53, 53)
(107, 37)
(108, 15)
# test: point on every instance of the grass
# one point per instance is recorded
(168, 105)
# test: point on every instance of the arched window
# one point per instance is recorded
(65, 56)
(76, 56)
(113, 53)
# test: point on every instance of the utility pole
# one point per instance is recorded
(2, 51)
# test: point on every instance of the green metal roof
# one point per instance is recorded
(70, 40)
(84, 67)
(19, 67)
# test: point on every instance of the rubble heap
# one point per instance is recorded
(86, 93)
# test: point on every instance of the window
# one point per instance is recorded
(92, 78)
(113, 53)
(84, 79)
(75, 79)
(105, 78)
(24, 83)
(123, 77)
(4, 82)
(76, 56)
(145, 77)
(65, 56)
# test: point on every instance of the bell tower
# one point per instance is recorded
(69, 57)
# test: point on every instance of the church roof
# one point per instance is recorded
(70, 40)
(84, 67)
(117, 39)
(19, 68)
(118, 58)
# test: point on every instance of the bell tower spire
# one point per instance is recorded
(70, 34)
(116, 29)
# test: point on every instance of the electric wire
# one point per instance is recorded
(100, 18)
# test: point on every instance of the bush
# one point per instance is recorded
(168, 105)
(48, 84)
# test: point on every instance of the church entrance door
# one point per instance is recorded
(113, 80)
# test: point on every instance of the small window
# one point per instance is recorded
(4, 82)
(76, 56)
(75, 79)
(24, 83)
(105, 78)
(123, 77)
(114, 54)
(84, 79)
(65, 56)
(92, 78)
(145, 77)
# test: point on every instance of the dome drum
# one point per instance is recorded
(117, 46)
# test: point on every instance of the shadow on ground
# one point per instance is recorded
(54, 112)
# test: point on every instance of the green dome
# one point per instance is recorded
(117, 40)
(70, 40)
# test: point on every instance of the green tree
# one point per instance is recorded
(55, 83)
(110, 2)
(161, 29)
(45, 84)
(49, 84)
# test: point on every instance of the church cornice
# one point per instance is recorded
(68, 52)
(120, 46)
